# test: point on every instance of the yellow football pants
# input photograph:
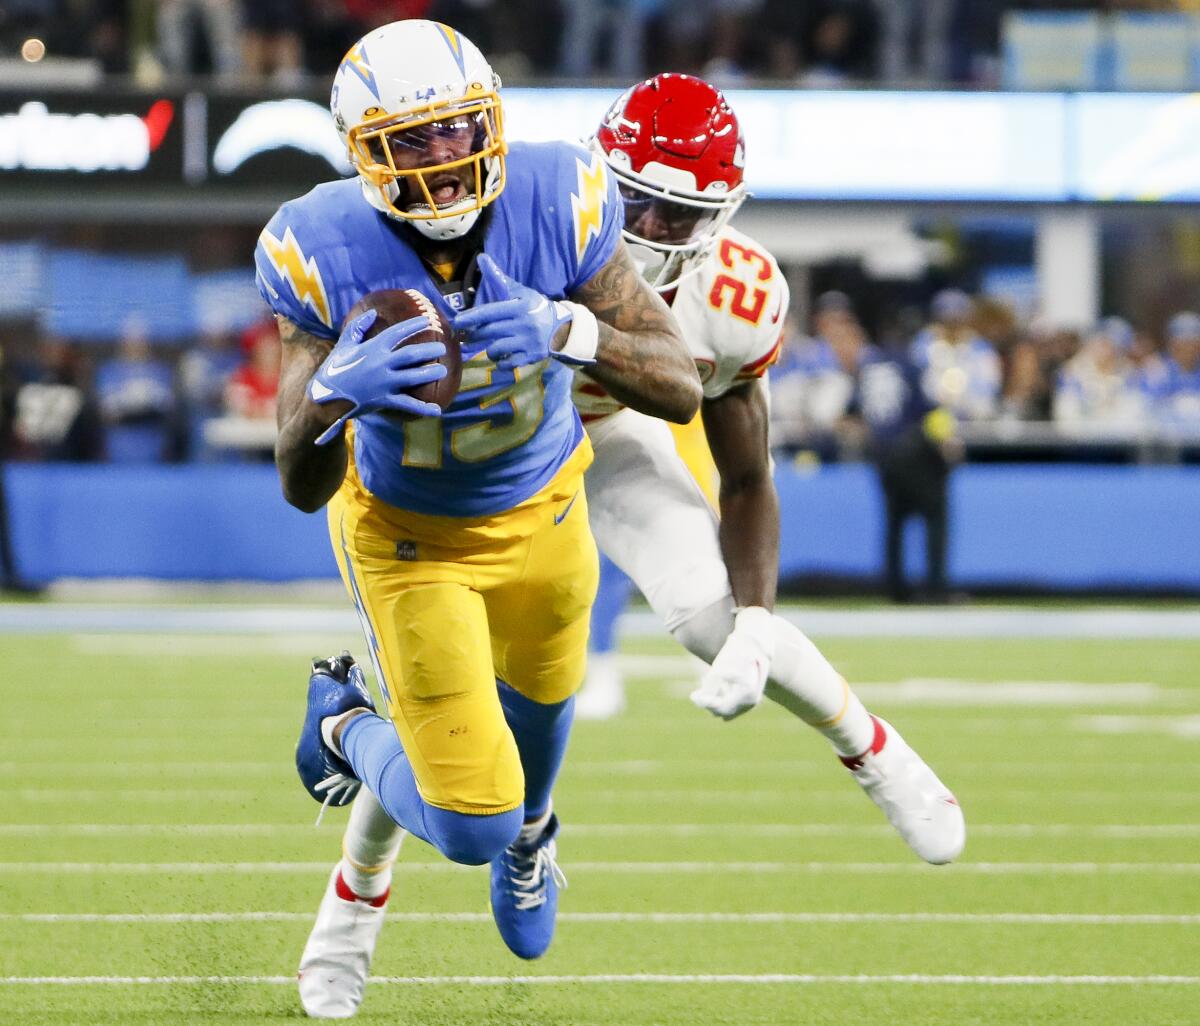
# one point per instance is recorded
(450, 604)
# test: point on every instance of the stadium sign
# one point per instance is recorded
(276, 125)
(34, 138)
(802, 145)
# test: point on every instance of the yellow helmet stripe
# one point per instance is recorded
(455, 45)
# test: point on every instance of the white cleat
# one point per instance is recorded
(602, 696)
(921, 808)
(337, 958)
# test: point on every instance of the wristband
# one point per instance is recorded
(583, 337)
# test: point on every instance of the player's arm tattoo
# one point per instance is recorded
(309, 473)
(736, 426)
(641, 359)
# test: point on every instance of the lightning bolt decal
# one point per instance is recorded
(356, 61)
(301, 273)
(588, 204)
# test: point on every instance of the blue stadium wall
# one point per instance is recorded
(1056, 527)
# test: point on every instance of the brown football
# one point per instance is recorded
(395, 305)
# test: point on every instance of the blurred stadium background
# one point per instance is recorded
(1045, 163)
(1014, 183)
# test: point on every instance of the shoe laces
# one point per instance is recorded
(530, 873)
(339, 789)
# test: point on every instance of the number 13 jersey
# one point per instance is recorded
(508, 431)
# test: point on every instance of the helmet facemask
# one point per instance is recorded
(684, 226)
(406, 159)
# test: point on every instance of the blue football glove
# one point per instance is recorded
(516, 324)
(372, 374)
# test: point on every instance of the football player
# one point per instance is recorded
(462, 536)
(675, 147)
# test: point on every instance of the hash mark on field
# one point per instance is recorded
(1015, 918)
(1187, 727)
(670, 978)
(851, 868)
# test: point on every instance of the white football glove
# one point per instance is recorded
(734, 683)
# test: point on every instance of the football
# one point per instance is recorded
(395, 305)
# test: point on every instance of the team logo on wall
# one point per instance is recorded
(275, 125)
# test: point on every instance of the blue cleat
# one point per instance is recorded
(336, 686)
(525, 883)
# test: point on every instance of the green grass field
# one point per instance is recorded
(736, 865)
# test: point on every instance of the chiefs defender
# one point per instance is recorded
(675, 147)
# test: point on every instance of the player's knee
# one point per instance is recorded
(703, 631)
(472, 840)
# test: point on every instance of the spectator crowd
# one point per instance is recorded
(977, 365)
(135, 402)
(138, 401)
(822, 43)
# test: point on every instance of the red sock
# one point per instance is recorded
(344, 892)
(855, 761)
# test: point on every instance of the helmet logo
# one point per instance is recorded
(454, 42)
(355, 62)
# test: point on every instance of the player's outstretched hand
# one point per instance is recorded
(373, 374)
(735, 682)
(516, 324)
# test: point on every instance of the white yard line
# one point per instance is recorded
(610, 978)
(1115, 831)
(649, 867)
(990, 918)
(304, 622)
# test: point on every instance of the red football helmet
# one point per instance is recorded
(676, 147)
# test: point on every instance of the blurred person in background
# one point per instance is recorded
(136, 394)
(900, 21)
(55, 414)
(838, 44)
(1177, 399)
(911, 442)
(788, 383)
(1149, 363)
(253, 387)
(823, 383)
(1027, 393)
(180, 21)
(11, 581)
(960, 369)
(1100, 384)
(204, 373)
(620, 24)
(272, 46)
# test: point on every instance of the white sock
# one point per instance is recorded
(805, 683)
(531, 831)
(369, 847)
(603, 675)
(330, 723)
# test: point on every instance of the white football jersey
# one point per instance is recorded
(730, 313)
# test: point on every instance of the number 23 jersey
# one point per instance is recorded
(508, 431)
(730, 313)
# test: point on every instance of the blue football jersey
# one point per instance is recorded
(557, 222)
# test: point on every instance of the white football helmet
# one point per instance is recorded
(415, 102)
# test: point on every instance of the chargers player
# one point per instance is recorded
(462, 538)
(674, 145)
